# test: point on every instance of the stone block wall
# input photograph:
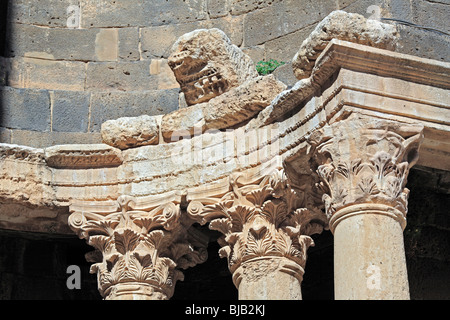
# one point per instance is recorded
(66, 66)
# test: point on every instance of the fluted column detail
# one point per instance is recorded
(363, 165)
(140, 246)
(266, 235)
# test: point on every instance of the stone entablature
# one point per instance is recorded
(147, 170)
(347, 134)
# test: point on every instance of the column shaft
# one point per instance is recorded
(363, 164)
(269, 279)
(369, 256)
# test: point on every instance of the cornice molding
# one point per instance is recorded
(356, 76)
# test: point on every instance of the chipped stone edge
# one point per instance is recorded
(344, 54)
(353, 27)
(78, 156)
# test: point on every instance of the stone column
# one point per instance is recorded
(140, 245)
(363, 164)
(265, 235)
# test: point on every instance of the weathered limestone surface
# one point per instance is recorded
(140, 245)
(131, 132)
(364, 160)
(266, 233)
(342, 26)
(358, 118)
(227, 110)
(377, 270)
(175, 165)
(206, 64)
(74, 156)
(370, 93)
(25, 175)
(165, 166)
(219, 82)
(109, 40)
(363, 164)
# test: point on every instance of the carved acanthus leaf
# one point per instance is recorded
(260, 218)
(140, 243)
(370, 165)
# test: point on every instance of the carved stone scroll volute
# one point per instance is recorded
(142, 246)
(264, 228)
(363, 164)
(363, 160)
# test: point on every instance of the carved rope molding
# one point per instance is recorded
(365, 161)
(142, 245)
(261, 219)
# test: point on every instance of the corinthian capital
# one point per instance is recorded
(140, 245)
(261, 220)
(364, 160)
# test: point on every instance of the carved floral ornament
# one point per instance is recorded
(139, 247)
(265, 218)
(261, 219)
(362, 161)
